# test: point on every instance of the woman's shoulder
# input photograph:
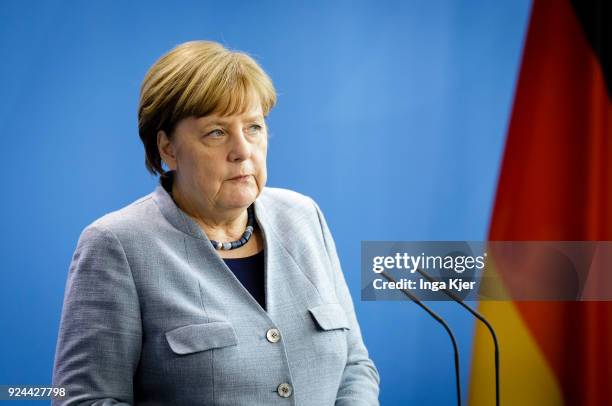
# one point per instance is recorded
(287, 207)
(134, 218)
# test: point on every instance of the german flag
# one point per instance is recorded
(555, 184)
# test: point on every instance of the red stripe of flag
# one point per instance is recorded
(556, 184)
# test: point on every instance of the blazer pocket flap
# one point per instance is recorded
(201, 337)
(330, 316)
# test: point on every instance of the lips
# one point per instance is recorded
(240, 177)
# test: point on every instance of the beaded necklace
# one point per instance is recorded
(243, 239)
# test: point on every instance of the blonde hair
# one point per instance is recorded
(195, 79)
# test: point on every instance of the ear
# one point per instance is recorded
(166, 150)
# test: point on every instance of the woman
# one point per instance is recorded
(213, 289)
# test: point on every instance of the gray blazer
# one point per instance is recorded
(153, 316)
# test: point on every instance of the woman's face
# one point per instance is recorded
(220, 161)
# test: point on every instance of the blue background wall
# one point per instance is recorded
(391, 115)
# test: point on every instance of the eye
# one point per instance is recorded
(254, 129)
(215, 134)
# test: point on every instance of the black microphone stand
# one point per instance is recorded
(480, 317)
(446, 327)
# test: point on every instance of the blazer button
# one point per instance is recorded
(273, 335)
(284, 390)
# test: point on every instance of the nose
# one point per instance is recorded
(240, 149)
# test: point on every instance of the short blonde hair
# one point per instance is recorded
(195, 79)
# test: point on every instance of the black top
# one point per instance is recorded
(250, 272)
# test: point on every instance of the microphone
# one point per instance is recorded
(444, 324)
(481, 318)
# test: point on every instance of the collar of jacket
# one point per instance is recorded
(277, 257)
(182, 221)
